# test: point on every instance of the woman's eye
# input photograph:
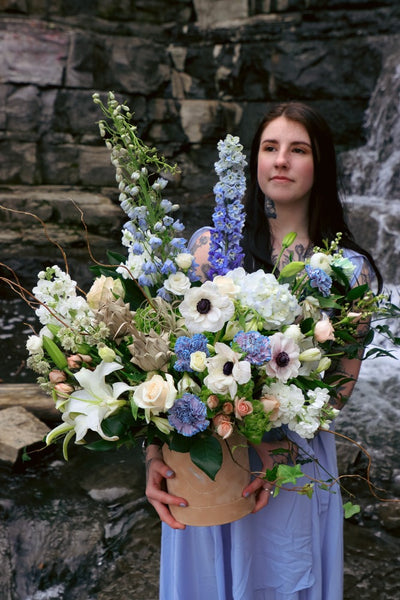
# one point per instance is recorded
(299, 150)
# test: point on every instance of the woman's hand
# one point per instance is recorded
(262, 488)
(156, 474)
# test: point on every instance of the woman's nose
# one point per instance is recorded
(281, 158)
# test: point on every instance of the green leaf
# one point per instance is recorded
(180, 443)
(206, 453)
(306, 325)
(115, 258)
(350, 509)
(357, 292)
(289, 473)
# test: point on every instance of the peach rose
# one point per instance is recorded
(57, 376)
(227, 408)
(324, 331)
(212, 401)
(223, 426)
(271, 406)
(64, 389)
(242, 408)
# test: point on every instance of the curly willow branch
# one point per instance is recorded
(367, 479)
(100, 264)
(43, 224)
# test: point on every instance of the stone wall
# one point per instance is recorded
(191, 70)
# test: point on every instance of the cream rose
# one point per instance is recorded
(226, 286)
(198, 361)
(103, 291)
(324, 330)
(242, 408)
(177, 283)
(156, 394)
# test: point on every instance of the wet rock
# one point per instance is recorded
(19, 429)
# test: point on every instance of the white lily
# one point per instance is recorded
(87, 408)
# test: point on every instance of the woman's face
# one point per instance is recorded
(285, 169)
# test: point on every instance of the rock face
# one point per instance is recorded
(191, 70)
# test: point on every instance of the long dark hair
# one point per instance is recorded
(325, 216)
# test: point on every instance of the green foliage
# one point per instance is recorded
(350, 509)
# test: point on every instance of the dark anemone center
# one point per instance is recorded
(282, 360)
(227, 368)
(203, 306)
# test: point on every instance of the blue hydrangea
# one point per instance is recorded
(320, 280)
(225, 246)
(188, 415)
(185, 346)
(256, 346)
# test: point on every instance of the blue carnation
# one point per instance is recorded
(256, 346)
(185, 346)
(320, 280)
(188, 415)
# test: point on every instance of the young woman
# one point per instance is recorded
(291, 547)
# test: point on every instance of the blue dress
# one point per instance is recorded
(291, 549)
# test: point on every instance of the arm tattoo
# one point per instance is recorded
(202, 240)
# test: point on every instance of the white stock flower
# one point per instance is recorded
(177, 283)
(225, 371)
(57, 291)
(204, 309)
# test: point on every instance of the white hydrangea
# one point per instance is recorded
(262, 292)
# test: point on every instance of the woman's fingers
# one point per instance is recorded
(263, 491)
(159, 498)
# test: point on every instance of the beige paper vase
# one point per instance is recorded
(211, 502)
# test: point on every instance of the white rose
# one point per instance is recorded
(184, 260)
(177, 283)
(319, 260)
(198, 361)
(34, 344)
(156, 394)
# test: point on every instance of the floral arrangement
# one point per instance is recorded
(152, 352)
